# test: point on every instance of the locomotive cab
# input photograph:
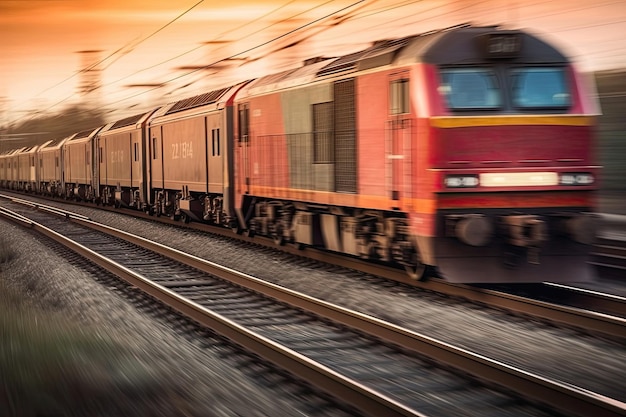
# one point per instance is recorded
(515, 176)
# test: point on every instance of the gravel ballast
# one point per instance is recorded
(542, 349)
(569, 356)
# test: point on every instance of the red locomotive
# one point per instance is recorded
(466, 152)
(470, 150)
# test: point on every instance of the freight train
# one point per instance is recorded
(466, 152)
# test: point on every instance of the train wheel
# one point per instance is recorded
(416, 272)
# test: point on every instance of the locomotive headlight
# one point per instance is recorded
(576, 178)
(518, 179)
(461, 181)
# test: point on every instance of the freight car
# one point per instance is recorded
(120, 168)
(190, 158)
(466, 152)
(8, 168)
(14, 169)
(50, 174)
(26, 172)
(78, 166)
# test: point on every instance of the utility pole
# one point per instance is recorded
(89, 86)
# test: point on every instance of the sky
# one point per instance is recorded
(145, 53)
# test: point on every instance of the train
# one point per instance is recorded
(466, 153)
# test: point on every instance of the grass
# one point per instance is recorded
(52, 368)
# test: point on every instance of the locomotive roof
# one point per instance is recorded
(463, 44)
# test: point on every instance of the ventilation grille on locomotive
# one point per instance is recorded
(349, 62)
(345, 136)
(344, 63)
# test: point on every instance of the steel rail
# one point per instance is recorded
(611, 304)
(15, 217)
(588, 321)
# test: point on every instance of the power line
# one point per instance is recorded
(573, 28)
(206, 66)
(352, 15)
(245, 51)
(202, 45)
(115, 53)
(131, 46)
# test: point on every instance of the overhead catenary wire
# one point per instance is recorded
(218, 37)
(274, 39)
(451, 9)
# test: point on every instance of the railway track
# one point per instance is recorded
(609, 256)
(588, 310)
(190, 296)
(585, 310)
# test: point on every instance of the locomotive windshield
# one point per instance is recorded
(539, 87)
(470, 88)
(479, 88)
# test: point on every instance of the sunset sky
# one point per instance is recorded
(148, 52)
